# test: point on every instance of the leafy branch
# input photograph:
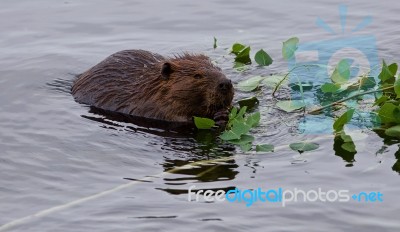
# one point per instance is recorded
(340, 89)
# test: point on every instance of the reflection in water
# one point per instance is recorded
(204, 147)
(389, 141)
(185, 191)
(186, 145)
(204, 173)
(396, 166)
(346, 155)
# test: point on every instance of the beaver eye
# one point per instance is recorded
(198, 76)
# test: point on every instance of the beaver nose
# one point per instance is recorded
(225, 86)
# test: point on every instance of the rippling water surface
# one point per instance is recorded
(64, 167)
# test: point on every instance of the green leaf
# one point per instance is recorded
(240, 67)
(341, 74)
(302, 85)
(346, 138)
(250, 84)
(303, 146)
(381, 100)
(397, 87)
(233, 113)
(274, 80)
(349, 146)
(393, 131)
(348, 143)
(243, 140)
(243, 56)
(240, 126)
(254, 119)
(289, 48)
(387, 113)
(238, 118)
(262, 58)
(242, 111)
(238, 129)
(203, 123)
(246, 147)
(396, 114)
(237, 48)
(290, 106)
(367, 83)
(342, 120)
(388, 72)
(229, 135)
(330, 88)
(215, 43)
(250, 102)
(265, 148)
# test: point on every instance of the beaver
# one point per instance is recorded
(146, 84)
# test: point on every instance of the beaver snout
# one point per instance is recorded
(225, 87)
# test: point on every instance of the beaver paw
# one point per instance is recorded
(221, 118)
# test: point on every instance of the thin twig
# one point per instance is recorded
(323, 107)
(279, 84)
(348, 98)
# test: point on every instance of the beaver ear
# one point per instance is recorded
(166, 71)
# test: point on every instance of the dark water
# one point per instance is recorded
(63, 168)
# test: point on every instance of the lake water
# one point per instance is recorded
(65, 168)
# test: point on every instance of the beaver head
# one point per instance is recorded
(193, 86)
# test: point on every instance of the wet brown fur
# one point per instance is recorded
(146, 84)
